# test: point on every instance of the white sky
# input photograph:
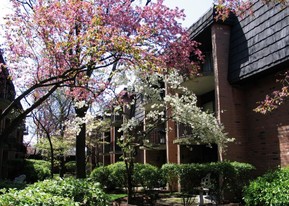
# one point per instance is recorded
(194, 9)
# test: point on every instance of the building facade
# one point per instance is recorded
(12, 149)
(247, 53)
(243, 56)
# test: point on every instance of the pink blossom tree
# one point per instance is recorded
(49, 119)
(225, 7)
(83, 45)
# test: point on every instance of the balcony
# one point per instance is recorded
(155, 141)
(105, 149)
(204, 82)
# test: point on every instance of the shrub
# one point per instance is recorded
(68, 191)
(36, 170)
(190, 176)
(148, 176)
(111, 177)
(103, 176)
(70, 167)
(170, 173)
(269, 189)
(118, 174)
(33, 198)
(234, 176)
(114, 176)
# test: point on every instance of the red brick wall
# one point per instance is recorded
(268, 135)
(262, 140)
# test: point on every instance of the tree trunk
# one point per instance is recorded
(94, 161)
(221, 177)
(61, 166)
(1, 159)
(129, 164)
(52, 154)
(80, 145)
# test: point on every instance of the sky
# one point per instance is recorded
(194, 9)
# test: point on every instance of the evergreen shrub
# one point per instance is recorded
(118, 174)
(6, 184)
(113, 176)
(70, 167)
(232, 175)
(170, 173)
(270, 189)
(228, 179)
(36, 170)
(103, 176)
(148, 176)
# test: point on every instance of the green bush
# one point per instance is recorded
(102, 175)
(190, 176)
(170, 173)
(33, 198)
(114, 176)
(118, 174)
(269, 189)
(69, 191)
(111, 177)
(234, 176)
(36, 170)
(70, 167)
(148, 176)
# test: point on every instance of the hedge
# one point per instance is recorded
(114, 176)
(36, 170)
(226, 177)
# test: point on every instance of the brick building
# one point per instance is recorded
(243, 56)
(12, 149)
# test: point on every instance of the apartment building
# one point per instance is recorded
(243, 57)
(12, 149)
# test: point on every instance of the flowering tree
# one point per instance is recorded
(278, 97)
(83, 44)
(179, 105)
(50, 118)
(225, 7)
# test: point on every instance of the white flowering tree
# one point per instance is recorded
(179, 105)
